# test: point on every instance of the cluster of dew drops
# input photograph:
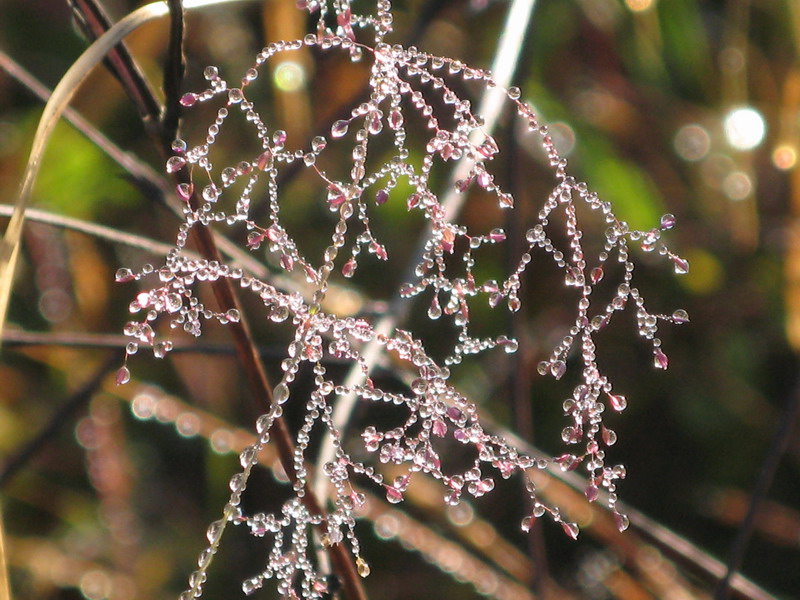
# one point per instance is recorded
(401, 79)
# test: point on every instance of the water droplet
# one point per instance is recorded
(591, 493)
(123, 375)
(339, 128)
(124, 275)
(571, 529)
(618, 403)
(349, 268)
(527, 523)
(185, 191)
(381, 196)
(609, 436)
(660, 359)
(214, 531)
(514, 93)
(175, 164)
(597, 274)
(173, 302)
(393, 495)
(558, 368)
(363, 567)
(281, 393)
(188, 100)
(235, 96)
(621, 521)
(395, 119)
(680, 316)
(681, 265)
(668, 221)
(264, 160)
(210, 73)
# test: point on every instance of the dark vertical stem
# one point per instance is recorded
(520, 382)
(766, 475)
(173, 72)
(94, 22)
(521, 372)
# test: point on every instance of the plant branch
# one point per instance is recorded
(173, 72)
(94, 22)
(780, 441)
(60, 417)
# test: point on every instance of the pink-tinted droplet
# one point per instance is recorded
(571, 529)
(618, 402)
(668, 221)
(123, 375)
(175, 164)
(188, 100)
(591, 493)
(393, 495)
(339, 128)
(439, 428)
(185, 191)
(381, 196)
(349, 268)
(395, 119)
(660, 359)
(596, 274)
(681, 265)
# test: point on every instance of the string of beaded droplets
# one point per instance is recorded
(401, 79)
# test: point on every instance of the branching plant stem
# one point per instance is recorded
(223, 290)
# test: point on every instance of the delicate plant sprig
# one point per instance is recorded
(402, 80)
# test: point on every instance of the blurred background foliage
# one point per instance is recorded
(684, 106)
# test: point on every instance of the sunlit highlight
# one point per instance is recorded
(745, 128)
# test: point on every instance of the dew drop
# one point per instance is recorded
(214, 531)
(571, 529)
(527, 523)
(681, 265)
(680, 316)
(591, 493)
(381, 196)
(668, 221)
(621, 521)
(188, 100)
(124, 275)
(514, 93)
(175, 164)
(363, 567)
(660, 359)
(618, 402)
(558, 368)
(281, 393)
(339, 128)
(123, 376)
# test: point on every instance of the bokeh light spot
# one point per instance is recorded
(745, 128)
(737, 185)
(692, 142)
(784, 157)
(289, 76)
(639, 5)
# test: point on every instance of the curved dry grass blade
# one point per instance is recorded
(10, 245)
(5, 589)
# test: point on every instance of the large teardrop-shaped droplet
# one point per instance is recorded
(339, 128)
